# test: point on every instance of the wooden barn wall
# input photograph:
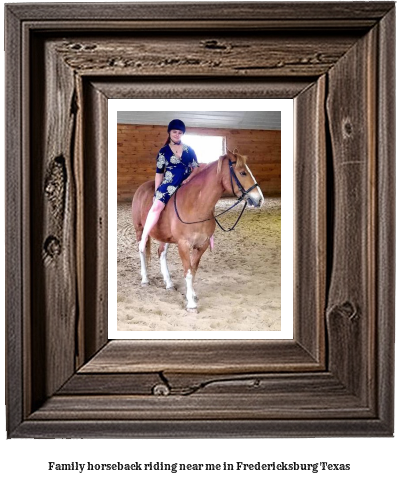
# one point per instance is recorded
(138, 146)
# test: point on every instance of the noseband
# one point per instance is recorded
(239, 199)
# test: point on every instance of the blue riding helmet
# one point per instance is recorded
(176, 125)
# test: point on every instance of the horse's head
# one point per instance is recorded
(239, 180)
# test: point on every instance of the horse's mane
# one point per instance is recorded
(240, 160)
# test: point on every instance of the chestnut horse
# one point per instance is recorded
(188, 218)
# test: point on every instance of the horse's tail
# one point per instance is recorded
(148, 249)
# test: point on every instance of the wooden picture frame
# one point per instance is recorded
(335, 378)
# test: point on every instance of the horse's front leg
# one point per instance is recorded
(162, 252)
(195, 260)
(184, 252)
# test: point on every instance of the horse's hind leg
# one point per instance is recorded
(162, 252)
(143, 257)
(139, 231)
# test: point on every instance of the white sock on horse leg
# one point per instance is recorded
(191, 304)
(143, 262)
(164, 268)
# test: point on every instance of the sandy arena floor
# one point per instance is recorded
(238, 284)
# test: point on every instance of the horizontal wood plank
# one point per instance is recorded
(176, 87)
(270, 55)
(360, 12)
(136, 384)
(203, 407)
(189, 428)
(200, 356)
(172, 383)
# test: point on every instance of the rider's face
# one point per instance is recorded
(176, 135)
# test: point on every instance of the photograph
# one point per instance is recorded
(199, 218)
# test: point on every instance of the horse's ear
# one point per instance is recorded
(232, 154)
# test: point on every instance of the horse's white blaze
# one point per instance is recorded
(260, 194)
(143, 262)
(164, 268)
(190, 291)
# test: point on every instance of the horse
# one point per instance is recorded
(188, 219)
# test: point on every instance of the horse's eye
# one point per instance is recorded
(243, 173)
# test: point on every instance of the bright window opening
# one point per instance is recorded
(208, 148)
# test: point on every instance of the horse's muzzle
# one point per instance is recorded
(251, 202)
(255, 201)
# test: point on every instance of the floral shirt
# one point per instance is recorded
(167, 158)
(174, 169)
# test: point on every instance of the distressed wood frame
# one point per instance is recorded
(64, 378)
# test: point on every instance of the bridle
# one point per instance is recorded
(240, 186)
(239, 199)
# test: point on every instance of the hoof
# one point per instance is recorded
(192, 310)
(171, 288)
(144, 284)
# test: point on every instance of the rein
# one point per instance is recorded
(239, 199)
